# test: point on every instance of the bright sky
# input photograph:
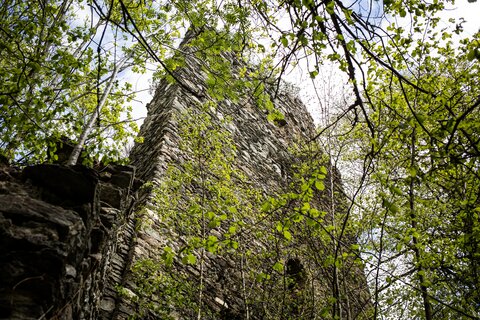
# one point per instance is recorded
(469, 11)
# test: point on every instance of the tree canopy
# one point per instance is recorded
(408, 123)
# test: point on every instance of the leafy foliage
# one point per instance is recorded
(203, 201)
(410, 123)
(60, 76)
(215, 214)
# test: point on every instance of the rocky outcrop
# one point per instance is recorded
(58, 233)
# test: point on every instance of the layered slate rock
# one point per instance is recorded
(264, 156)
(59, 228)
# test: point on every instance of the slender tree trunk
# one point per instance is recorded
(337, 306)
(77, 150)
(379, 261)
(418, 259)
(203, 228)
(244, 287)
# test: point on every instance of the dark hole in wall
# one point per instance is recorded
(296, 272)
(280, 122)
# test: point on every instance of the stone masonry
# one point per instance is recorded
(263, 155)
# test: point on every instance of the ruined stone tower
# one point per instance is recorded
(268, 273)
(223, 214)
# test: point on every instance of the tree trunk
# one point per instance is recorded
(77, 150)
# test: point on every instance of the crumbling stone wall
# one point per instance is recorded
(61, 231)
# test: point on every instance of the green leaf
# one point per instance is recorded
(279, 226)
(266, 206)
(397, 191)
(278, 266)
(271, 116)
(214, 223)
(390, 206)
(305, 207)
(471, 55)
(319, 185)
(232, 229)
(234, 244)
(168, 256)
(261, 277)
(412, 172)
(212, 239)
(330, 7)
(189, 259)
(314, 213)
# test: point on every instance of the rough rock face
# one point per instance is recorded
(58, 232)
